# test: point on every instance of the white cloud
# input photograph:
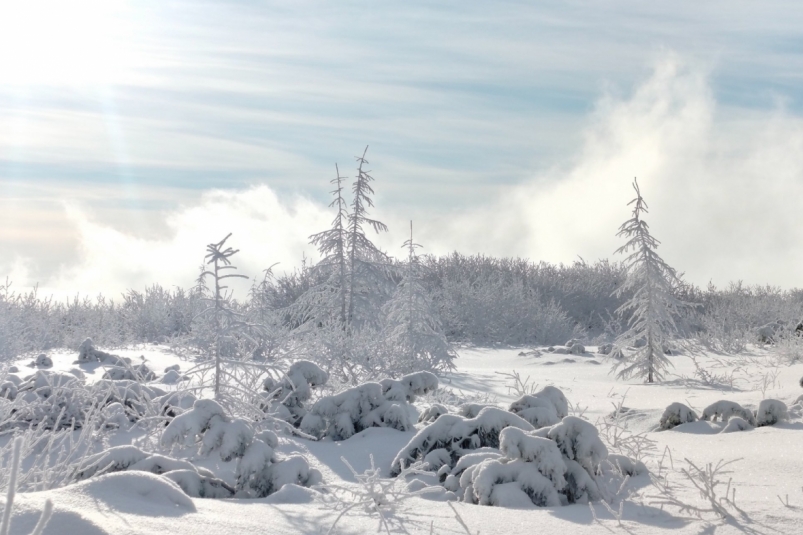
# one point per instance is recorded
(724, 186)
(265, 228)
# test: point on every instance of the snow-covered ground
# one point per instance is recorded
(768, 460)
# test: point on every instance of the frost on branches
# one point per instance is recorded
(498, 459)
(286, 397)
(258, 473)
(653, 306)
(384, 404)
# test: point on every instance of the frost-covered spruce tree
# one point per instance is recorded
(653, 306)
(328, 300)
(413, 329)
(368, 283)
(353, 269)
(226, 322)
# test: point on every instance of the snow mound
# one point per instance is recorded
(736, 423)
(138, 492)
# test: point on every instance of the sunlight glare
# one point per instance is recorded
(52, 42)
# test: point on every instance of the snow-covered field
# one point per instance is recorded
(768, 465)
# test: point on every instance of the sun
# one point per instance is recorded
(54, 42)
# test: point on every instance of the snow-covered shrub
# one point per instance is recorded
(409, 387)
(288, 394)
(736, 423)
(724, 410)
(537, 468)
(194, 481)
(88, 353)
(768, 332)
(770, 412)
(189, 426)
(578, 440)
(458, 436)
(42, 361)
(471, 410)
(258, 473)
(140, 373)
(171, 377)
(543, 408)
(342, 415)
(428, 415)
(676, 414)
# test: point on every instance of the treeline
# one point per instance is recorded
(479, 300)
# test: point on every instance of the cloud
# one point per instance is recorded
(265, 228)
(725, 187)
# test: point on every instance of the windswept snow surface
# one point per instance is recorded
(770, 461)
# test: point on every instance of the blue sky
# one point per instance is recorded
(119, 119)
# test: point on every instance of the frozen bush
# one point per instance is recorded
(230, 439)
(543, 408)
(549, 467)
(111, 460)
(724, 410)
(259, 474)
(171, 377)
(768, 332)
(543, 453)
(430, 414)
(342, 415)
(8, 390)
(471, 410)
(190, 425)
(605, 349)
(676, 414)
(451, 476)
(194, 481)
(458, 435)
(409, 387)
(736, 423)
(88, 353)
(288, 395)
(114, 416)
(511, 484)
(140, 373)
(578, 440)
(770, 412)
(42, 361)
(532, 467)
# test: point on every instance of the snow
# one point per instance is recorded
(143, 503)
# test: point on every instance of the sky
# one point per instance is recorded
(134, 133)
